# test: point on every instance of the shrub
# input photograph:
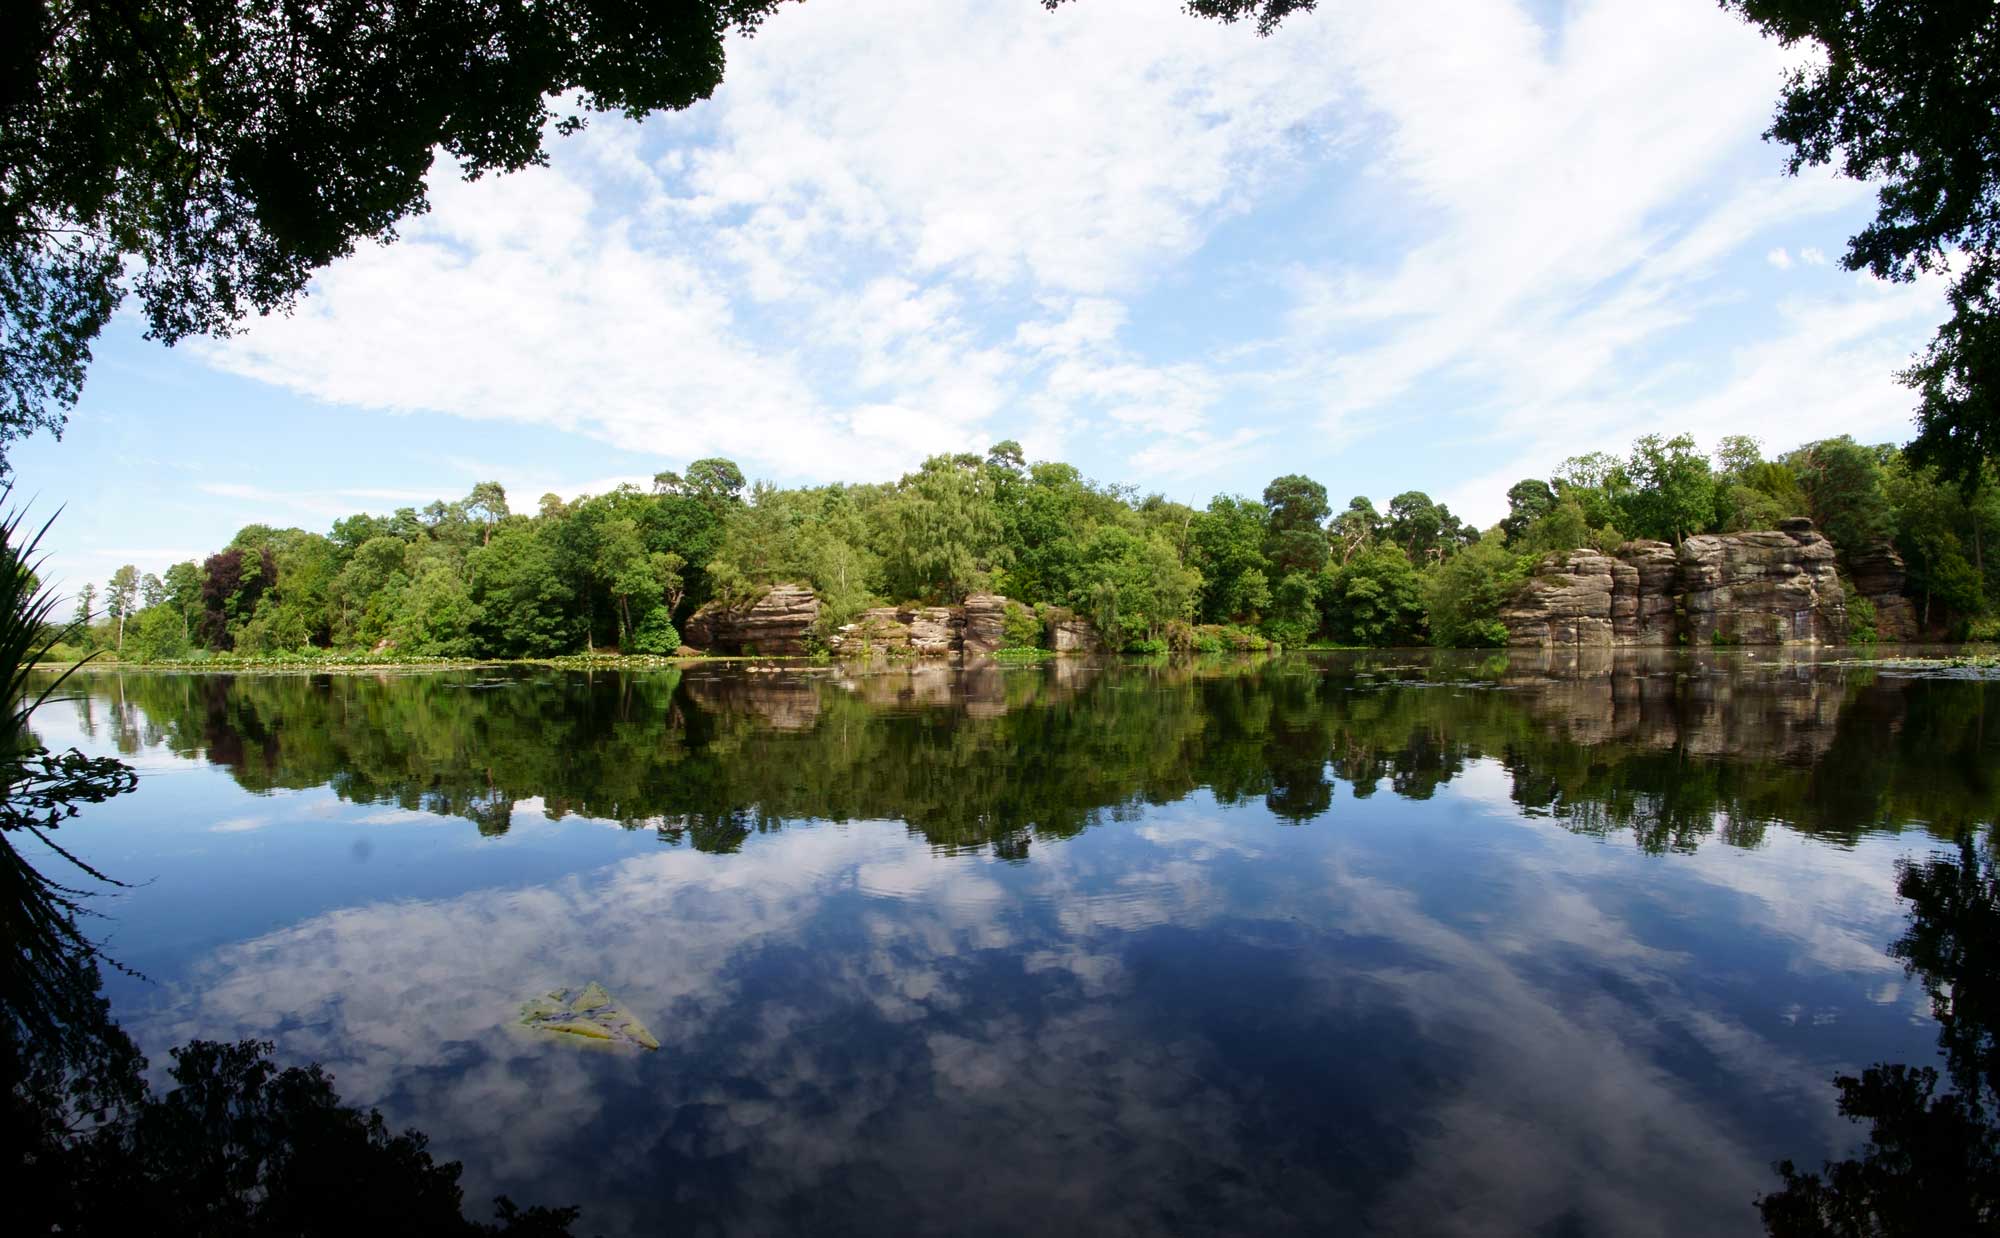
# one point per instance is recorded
(1019, 628)
(655, 634)
(1860, 620)
(1147, 645)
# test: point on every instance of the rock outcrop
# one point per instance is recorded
(783, 622)
(1072, 633)
(779, 624)
(985, 623)
(1762, 588)
(929, 631)
(1566, 602)
(1774, 587)
(1879, 575)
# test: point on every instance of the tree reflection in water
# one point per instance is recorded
(1674, 755)
(1932, 1162)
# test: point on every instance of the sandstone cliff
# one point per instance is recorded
(1879, 576)
(779, 624)
(1762, 588)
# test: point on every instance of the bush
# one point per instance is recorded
(1147, 645)
(1228, 638)
(655, 634)
(1984, 629)
(1019, 628)
(1860, 620)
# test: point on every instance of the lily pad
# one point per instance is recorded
(589, 1012)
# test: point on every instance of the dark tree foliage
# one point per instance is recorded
(1907, 95)
(1527, 502)
(1266, 13)
(1295, 540)
(241, 1147)
(229, 150)
(231, 584)
(1932, 1162)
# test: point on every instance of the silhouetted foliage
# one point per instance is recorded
(1932, 1161)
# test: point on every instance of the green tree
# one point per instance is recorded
(1356, 527)
(1672, 489)
(1376, 598)
(86, 610)
(1904, 97)
(120, 593)
(210, 158)
(943, 538)
(1296, 508)
(1842, 484)
(487, 506)
(527, 605)
(1228, 551)
(1527, 501)
(1464, 594)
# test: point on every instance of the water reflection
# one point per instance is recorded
(1278, 946)
(1677, 751)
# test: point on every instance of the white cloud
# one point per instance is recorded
(910, 227)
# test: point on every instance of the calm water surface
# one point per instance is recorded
(1375, 944)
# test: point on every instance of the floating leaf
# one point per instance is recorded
(589, 1012)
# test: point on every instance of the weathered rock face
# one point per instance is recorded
(1764, 588)
(1879, 575)
(926, 630)
(1655, 609)
(1776, 587)
(1070, 633)
(1566, 602)
(779, 624)
(985, 623)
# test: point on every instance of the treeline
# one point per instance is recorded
(622, 571)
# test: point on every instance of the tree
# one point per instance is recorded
(232, 584)
(1464, 594)
(222, 153)
(1905, 96)
(487, 504)
(1376, 599)
(1672, 491)
(1228, 551)
(119, 594)
(944, 536)
(86, 604)
(1356, 527)
(1527, 501)
(1296, 507)
(1842, 484)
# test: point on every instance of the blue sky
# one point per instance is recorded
(1392, 247)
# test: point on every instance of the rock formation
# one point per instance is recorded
(924, 630)
(782, 623)
(1566, 602)
(1072, 633)
(1766, 588)
(1878, 575)
(779, 624)
(1763, 588)
(985, 623)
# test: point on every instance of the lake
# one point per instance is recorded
(1368, 943)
